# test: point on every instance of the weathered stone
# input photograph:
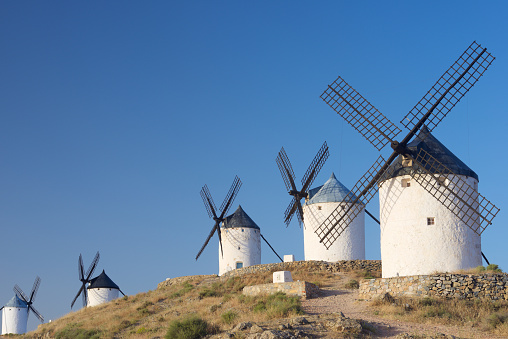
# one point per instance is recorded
(242, 327)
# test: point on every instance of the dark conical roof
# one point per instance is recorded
(426, 141)
(239, 219)
(102, 281)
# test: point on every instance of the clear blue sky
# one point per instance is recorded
(113, 115)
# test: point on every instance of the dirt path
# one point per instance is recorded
(334, 300)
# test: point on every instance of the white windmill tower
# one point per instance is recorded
(15, 312)
(98, 290)
(241, 242)
(423, 165)
(320, 203)
(419, 235)
(102, 289)
(239, 238)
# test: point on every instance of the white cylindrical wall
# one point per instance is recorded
(409, 246)
(14, 320)
(97, 296)
(240, 245)
(350, 245)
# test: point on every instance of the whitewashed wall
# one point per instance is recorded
(14, 320)
(349, 246)
(239, 245)
(97, 296)
(411, 247)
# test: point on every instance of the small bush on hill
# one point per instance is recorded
(279, 305)
(352, 284)
(228, 317)
(494, 268)
(190, 328)
(73, 331)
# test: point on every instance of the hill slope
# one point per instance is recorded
(219, 302)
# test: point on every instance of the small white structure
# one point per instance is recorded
(321, 202)
(14, 316)
(102, 289)
(289, 257)
(282, 277)
(419, 235)
(241, 242)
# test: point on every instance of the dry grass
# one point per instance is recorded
(149, 314)
(486, 314)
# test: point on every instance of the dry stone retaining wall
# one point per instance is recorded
(310, 266)
(295, 288)
(461, 286)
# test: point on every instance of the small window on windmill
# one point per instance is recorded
(406, 182)
(239, 264)
(431, 221)
(319, 208)
(406, 161)
(242, 229)
(238, 247)
(441, 181)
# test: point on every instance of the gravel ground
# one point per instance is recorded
(334, 299)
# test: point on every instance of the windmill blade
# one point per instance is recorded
(286, 170)
(37, 314)
(77, 295)
(450, 88)
(214, 228)
(35, 288)
(340, 218)
(315, 167)
(278, 256)
(453, 192)
(230, 197)
(208, 201)
(360, 114)
(92, 267)
(290, 211)
(20, 293)
(220, 238)
(80, 268)
(121, 292)
(85, 296)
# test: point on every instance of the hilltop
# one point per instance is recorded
(217, 304)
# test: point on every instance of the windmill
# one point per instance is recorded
(16, 311)
(211, 209)
(289, 180)
(29, 300)
(458, 196)
(85, 278)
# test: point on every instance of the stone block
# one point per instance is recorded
(282, 276)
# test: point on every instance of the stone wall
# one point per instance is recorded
(310, 266)
(492, 286)
(301, 289)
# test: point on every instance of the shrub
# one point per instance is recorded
(352, 284)
(141, 330)
(496, 319)
(228, 317)
(494, 268)
(73, 331)
(186, 287)
(214, 308)
(279, 305)
(190, 328)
